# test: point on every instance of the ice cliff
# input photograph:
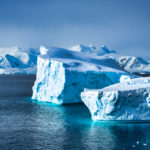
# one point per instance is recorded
(18, 60)
(129, 100)
(63, 74)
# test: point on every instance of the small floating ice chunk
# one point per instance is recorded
(137, 142)
(145, 144)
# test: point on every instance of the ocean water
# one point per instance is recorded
(31, 125)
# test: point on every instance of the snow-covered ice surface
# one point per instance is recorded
(129, 100)
(92, 49)
(15, 60)
(132, 64)
(63, 74)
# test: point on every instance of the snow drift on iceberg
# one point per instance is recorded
(63, 74)
(128, 100)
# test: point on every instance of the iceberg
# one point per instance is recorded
(128, 100)
(63, 74)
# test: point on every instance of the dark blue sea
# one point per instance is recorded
(31, 125)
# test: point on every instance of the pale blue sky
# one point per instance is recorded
(123, 25)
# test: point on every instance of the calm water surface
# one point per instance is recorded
(31, 125)
(27, 124)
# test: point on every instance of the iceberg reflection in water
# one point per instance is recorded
(27, 124)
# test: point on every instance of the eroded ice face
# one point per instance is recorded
(128, 100)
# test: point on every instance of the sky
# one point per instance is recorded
(122, 25)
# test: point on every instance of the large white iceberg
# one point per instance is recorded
(128, 100)
(63, 74)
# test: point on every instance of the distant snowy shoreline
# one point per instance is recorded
(16, 60)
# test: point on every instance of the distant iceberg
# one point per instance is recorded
(63, 74)
(129, 100)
